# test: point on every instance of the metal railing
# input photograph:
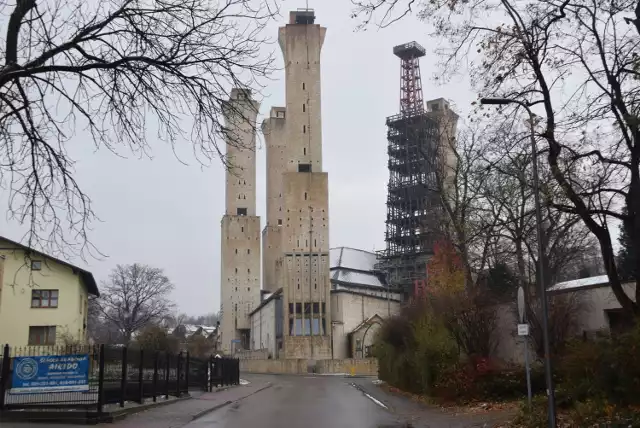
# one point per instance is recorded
(117, 375)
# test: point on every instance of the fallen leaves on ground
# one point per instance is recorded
(471, 408)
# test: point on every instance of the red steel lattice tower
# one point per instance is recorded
(411, 102)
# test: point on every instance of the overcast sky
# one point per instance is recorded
(166, 214)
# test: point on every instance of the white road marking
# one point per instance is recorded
(378, 402)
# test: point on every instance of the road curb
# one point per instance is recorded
(226, 403)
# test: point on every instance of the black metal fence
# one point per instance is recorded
(118, 375)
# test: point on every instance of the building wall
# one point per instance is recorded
(18, 282)
(240, 237)
(349, 310)
(596, 302)
(240, 274)
(263, 329)
(271, 255)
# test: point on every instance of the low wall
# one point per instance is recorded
(260, 354)
(362, 367)
(274, 366)
(365, 367)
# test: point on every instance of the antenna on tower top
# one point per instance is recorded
(411, 102)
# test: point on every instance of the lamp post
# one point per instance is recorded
(541, 284)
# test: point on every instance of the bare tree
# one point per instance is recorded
(460, 173)
(114, 69)
(575, 63)
(135, 297)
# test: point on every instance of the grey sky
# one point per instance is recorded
(166, 214)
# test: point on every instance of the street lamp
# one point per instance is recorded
(543, 289)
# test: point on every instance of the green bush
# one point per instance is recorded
(607, 369)
(414, 351)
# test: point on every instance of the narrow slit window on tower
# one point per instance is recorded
(242, 211)
(305, 196)
(248, 251)
(303, 86)
(304, 108)
(236, 270)
(304, 167)
(279, 222)
(242, 229)
(304, 151)
(304, 129)
(236, 251)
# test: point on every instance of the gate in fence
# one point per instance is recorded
(92, 377)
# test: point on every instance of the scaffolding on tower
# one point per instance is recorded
(413, 205)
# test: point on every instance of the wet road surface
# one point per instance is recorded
(304, 402)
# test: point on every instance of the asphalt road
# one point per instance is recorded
(303, 402)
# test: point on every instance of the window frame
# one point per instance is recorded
(48, 332)
(38, 295)
(37, 263)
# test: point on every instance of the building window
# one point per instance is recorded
(279, 222)
(236, 270)
(42, 335)
(242, 211)
(304, 129)
(36, 265)
(248, 270)
(236, 251)
(248, 251)
(303, 86)
(44, 298)
(280, 114)
(304, 108)
(242, 229)
(305, 196)
(304, 167)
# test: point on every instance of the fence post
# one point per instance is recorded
(141, 378)
(210, 380)
(155, 375)
(178, 367)
(166, 375)
(123, 379)
(186, 372)
(4, 374)
(101, 379)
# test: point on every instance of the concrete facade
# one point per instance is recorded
(240, 252)
(263, 329)
(273, 129)
(350, 309)
(296, 237)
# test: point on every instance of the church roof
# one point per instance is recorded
(353, 266)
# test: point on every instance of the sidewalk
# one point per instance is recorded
(181, 413)
(421, 415)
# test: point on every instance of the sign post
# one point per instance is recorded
(51, 373)
(523, 330)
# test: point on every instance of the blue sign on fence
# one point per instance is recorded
(51, 373)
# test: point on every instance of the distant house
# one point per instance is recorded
(43, 300)
(601, 310)
(186, 332)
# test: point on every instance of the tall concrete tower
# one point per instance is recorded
(297, 234)
(240, 255)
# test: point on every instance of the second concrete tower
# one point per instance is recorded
(296, 247)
